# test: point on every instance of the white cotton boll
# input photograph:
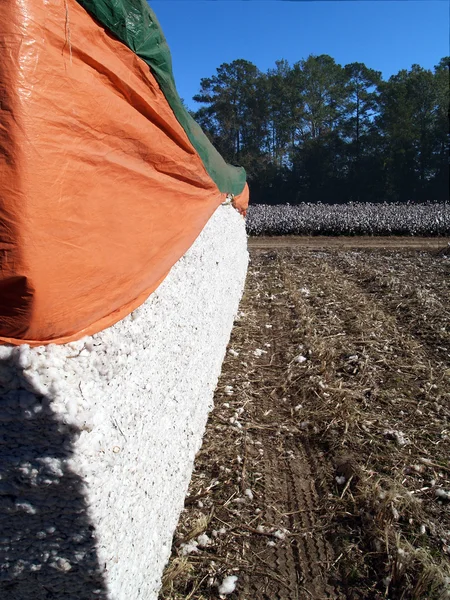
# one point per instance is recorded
(398, 436)
(443, 494)
(204, 541)
(300, 359)
(62, 564)
(228, 585)
(189, 548)
(280, 534)
(5, 352)
(248, 492)
(233, 352)
(340, 479)
(271, 543)
(24, 359)
(268, 326)
(258, 352)
(423, 529)
(25, 506)
(261, 529)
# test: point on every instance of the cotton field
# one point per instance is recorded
(431, 219)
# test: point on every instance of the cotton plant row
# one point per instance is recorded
(431, 219)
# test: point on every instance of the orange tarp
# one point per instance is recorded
(101, 191)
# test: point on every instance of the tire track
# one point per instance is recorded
(302, 560)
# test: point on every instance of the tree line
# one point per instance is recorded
(316, 131)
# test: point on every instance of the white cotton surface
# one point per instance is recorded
(228, 585)
(103, 432)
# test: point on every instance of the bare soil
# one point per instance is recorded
(324, 471)
(362, 241)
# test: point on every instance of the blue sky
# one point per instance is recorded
(386, 35)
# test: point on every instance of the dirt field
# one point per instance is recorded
(373, 242)
(325, 468)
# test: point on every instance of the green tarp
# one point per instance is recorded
(134, 23)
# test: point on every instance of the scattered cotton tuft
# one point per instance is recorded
(442, 494)
(228, 585)
(189, 548)
(280, 534)
(259, 352)
(204, 541)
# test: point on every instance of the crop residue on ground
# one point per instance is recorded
(324, 471)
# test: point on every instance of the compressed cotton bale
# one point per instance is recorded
(98, 437)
